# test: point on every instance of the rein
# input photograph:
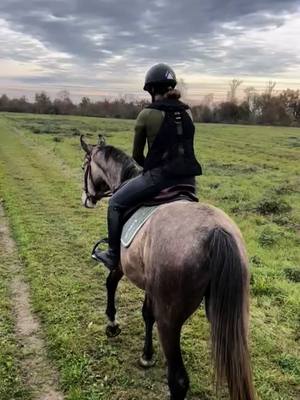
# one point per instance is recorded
(88, 175)
(128, 171)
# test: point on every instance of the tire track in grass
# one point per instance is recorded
(40, 377)
(46, 238)
(61, 227)
(74, 293)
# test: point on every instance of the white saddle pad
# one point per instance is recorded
(134, 224)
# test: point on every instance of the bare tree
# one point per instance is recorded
(250, 94)
(291, 100)
(63, 95)
(269, 88)
(4, 102)
(85, 105)
(63, 104)
(249, 91)
(208, 99)
(233, 86)
(42, 102)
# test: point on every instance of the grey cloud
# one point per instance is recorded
(169, 20)
(93, 32)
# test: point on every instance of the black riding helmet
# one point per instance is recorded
(160, 75)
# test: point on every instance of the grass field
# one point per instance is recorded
(250, 172)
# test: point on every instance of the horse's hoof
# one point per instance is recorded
(112, 330)
(147, 363)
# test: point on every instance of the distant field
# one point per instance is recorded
(251, 172)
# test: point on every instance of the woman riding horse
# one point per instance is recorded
(185, 253)
(167, 126)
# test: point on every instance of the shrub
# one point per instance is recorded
(57, 139)
(286, 188)
(289, 363)
(263, 285)
(273, 206)
(292, 274)
(256, 260)
(269, 236)
(75, 132)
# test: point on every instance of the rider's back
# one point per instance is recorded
(147, 126)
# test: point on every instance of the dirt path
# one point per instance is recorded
(40, 376)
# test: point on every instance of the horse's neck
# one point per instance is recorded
(114, 177)
(118, 174)
(134, 170)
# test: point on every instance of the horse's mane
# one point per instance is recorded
(130, 168)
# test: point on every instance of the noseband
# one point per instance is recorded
(88, 175)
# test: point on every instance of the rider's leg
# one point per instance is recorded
(135, 191)
(111, 256)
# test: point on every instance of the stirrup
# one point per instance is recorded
(101, 241)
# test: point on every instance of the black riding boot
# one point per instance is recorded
(111, 257)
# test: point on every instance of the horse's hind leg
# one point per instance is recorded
(112, 281)
(146, 361)
(178, 379)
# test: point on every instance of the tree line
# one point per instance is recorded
(63, 105)
(268, 108)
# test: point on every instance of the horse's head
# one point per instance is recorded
(95, 183)
(105, 169)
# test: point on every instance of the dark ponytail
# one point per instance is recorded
(167, 91)
(172, 94)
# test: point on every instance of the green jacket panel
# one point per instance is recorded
(147, 126)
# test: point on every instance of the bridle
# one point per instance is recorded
(88, 175)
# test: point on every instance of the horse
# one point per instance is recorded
(184, 253)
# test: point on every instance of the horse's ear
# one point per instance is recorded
(101, 140)
(85, 146)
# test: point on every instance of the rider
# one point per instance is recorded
(167, 126)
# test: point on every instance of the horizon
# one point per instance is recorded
(101, 50)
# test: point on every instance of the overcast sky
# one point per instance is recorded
(104, 47)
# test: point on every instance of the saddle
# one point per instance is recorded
(167, 195)
(135, 217)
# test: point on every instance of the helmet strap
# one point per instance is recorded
(152, 93)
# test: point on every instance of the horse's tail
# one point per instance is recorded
(228, 314)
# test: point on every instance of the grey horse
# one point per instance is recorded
(184, 253)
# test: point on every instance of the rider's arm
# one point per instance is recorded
(139, 139)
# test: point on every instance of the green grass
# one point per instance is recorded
(250, 172)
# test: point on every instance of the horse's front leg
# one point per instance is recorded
(147, 361)
(112, 281)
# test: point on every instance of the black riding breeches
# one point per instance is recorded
(144, 187)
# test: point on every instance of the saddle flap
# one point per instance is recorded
(135, 222)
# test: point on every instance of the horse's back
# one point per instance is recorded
(169, 251)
